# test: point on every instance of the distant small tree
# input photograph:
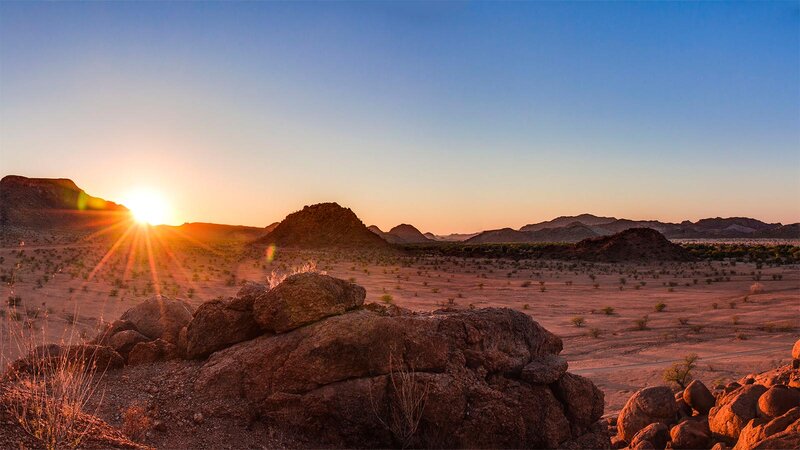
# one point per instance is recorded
(680, 373)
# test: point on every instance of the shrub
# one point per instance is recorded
(594, 332)
(681, 372)
(578, 321)
(608, 310)
(135, 422)
(641, 324)
(387, 298)
(660, 306)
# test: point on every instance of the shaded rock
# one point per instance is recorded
(734, 410)
(160, 317)
(656, 435)
(583, 401)
(759, 429)
(544, 370)
(124, 341)
(617, 442)
(338, 381)
(220, 323)
(690, 434)
(646, 406)
(698, 397)
(788, 438)
(777, 400)
(110, 330)
(305, 298)
(152, 351)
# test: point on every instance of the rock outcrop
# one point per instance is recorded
(305, 298)
(156, 327)
(220, 323)
(342, 374)
(761, 411)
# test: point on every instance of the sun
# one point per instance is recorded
(147, 206)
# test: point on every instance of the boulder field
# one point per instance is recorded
(760, 411)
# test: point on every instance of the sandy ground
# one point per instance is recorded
(67, 291)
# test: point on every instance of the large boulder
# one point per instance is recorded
(305, 298)
(125, 340)
(734, 410)
(690, 434)
(648, 405)
(796, 350)
(759, 429)
(777, 400)
(788, 438)
(153, 351)
(698, 397)
(655, 435)
(220, 323)
(160, 317)
(370, 379)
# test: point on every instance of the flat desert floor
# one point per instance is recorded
(622, 324)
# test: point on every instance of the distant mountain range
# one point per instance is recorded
(59, 203)
(401, 234)
(576, 228)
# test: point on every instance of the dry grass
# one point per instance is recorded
(47, 396)
(275, 278)
(49, 402)
(406, 401)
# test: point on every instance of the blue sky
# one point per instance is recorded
(454, 116)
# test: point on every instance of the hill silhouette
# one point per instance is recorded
(53, 203)
(633, 244)
(323, 225)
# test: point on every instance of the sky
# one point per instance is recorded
(452, 116)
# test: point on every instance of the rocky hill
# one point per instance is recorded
(409, 234)
(323, 225)
(633, 244)
(53, 203)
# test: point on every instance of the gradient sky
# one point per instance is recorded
(453, 116)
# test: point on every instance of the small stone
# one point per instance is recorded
(198, 418)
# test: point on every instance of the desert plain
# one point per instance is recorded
(622, 324)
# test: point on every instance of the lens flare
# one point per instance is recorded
(147, 206)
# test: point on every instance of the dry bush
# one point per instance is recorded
(135, 422)
(757, 288)
(49, 402)
(681, 372)
(275, 278)
(406, 401)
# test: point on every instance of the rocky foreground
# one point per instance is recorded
(308, 359)
(760, 411)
